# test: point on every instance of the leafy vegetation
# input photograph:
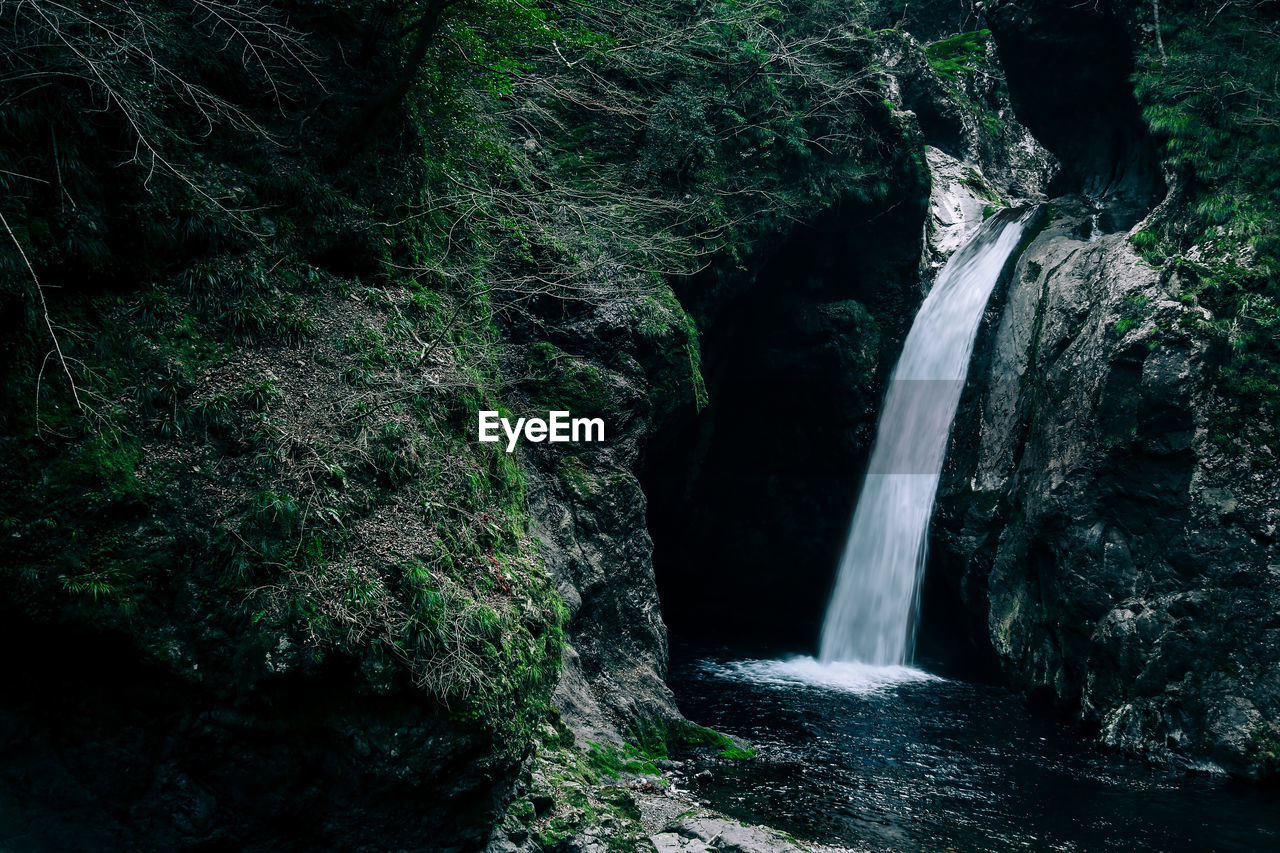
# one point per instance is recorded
(173, 241)
(960, 59)
(1206, 92)
(959, 54)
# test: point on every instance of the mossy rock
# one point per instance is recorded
(559, 381)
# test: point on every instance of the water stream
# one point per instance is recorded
(872, 613)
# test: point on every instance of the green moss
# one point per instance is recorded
(576, 476)
(1133, 311)
(676, 369)
(959, 54)
(557, 380)
(959, 61)
(737, 753)
(609, 762)
(974, 181)
(685, 734)
(106, 467)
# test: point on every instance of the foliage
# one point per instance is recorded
(1207, 94)
(263, 261)
(1210, 99)
(959, 62)
(959, 54)
(187, 234)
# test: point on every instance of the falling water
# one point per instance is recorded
(872, 614)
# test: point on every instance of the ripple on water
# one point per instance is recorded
(889, 759)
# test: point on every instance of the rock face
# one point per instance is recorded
(963, 109)
(960, 199)
(1118, 558)
(588, 512)
(1125, 568)
(795, 359)
(707, 834)
(1068, 67)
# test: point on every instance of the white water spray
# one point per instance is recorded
(871, 618)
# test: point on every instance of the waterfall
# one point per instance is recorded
(872, 613)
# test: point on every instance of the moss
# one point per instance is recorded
(693, 735)
(974, 181)
(959, 61)
(106, 468)
(572, 794)
(609, 762)
(1133, 311)
(557, 380)
(954, 56)
(576, 476)
(737, 753)
(522, 811)
(675, 370)
(682, 733)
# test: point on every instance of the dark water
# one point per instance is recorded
(945, 765)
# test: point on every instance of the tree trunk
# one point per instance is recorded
(359, 132)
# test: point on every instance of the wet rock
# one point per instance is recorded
(588, 513)
(1116, 556)
(970, 118)
(960, 199)
(1067, 60)
(703, 834)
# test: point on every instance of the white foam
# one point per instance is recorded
(848, 676)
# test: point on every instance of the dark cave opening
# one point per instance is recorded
(750, 499)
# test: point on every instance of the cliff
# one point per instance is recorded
(267, 263)
(1099, 518)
